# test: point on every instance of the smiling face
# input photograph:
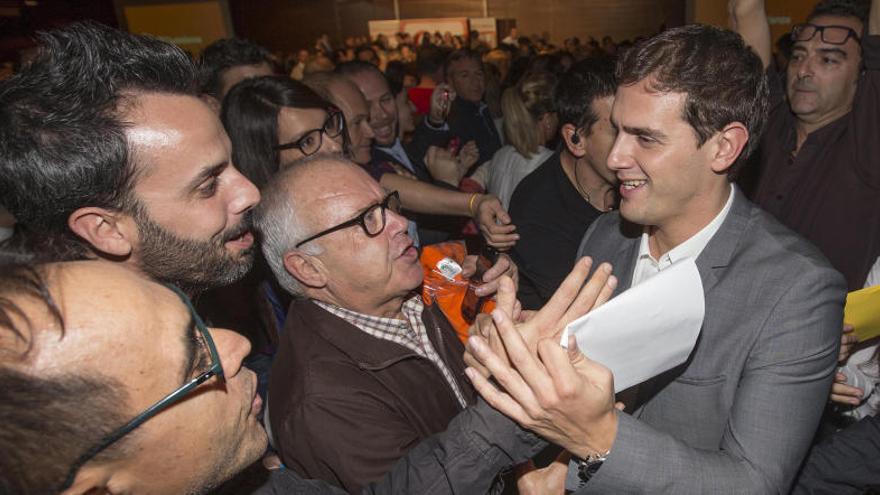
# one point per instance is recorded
(383, 109)
(191, 224)
(365, 274)
(667, 181)
(822, 77)
(125, 328)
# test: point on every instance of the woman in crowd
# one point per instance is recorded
(530, 122)
(274, 120)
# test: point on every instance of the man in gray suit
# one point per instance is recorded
(739, 415)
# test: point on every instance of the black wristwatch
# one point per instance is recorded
(588, 467)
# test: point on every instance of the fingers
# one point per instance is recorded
(845, 394)
(501, 266)
(469, 360)
(500, 237)
(521, 356)
(499, 400)
(505, 296)
(469, 266)
(602, 283)
(508, 377)
(492, 278)
(547, 317)
(569, 368)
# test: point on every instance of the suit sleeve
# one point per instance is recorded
(465, 458)
(779, 401)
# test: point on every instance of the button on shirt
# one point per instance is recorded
(410, 333)
(647, 266)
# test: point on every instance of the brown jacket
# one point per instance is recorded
(345, 406)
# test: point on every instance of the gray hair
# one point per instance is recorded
(281, 223)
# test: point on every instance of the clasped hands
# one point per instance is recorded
(559, 394)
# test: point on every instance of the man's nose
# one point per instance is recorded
(244, 194)
(232, 349)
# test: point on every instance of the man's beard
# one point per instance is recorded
(194, 265)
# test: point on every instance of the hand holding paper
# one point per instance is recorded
(646, 330)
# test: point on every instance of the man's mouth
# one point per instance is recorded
(242, 241)
(630, 185)
(409, 251)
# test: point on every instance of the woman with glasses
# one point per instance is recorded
(273, 120)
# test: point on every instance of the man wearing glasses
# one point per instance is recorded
(819, 153)
(112, 383)
(364, 370)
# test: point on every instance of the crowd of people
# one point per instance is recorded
(223, 273)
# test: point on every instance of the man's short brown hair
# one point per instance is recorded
(722, 77)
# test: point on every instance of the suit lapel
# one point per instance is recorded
(718, 252)
(711, 263)
(624, 261)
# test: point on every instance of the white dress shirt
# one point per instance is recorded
(647, 266)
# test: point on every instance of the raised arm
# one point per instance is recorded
(749, 19)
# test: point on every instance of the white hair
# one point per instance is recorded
(281, 223)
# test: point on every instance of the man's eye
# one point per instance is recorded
(208, 188)
(646, 140)
(829, 61)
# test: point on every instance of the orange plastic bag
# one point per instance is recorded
(445, 286)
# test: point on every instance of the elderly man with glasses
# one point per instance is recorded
(364, 370)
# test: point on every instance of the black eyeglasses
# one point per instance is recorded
(216, 369)
(372, 219)
(311, 141)
(833, 35)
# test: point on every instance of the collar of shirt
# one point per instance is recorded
(396, 150)
(647, 266)
(409, 332)
(405, 332)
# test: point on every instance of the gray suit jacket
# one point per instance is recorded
(739, 415)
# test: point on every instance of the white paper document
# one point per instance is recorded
(647, 329)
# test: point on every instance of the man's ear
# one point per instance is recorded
(728, 144)
(307, 269)
(575, 141)
(109, 232)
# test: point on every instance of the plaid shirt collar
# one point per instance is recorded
(409, 332)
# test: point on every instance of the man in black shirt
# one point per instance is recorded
(554, 205)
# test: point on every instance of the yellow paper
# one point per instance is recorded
(862, 311)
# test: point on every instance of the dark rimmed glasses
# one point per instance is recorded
(371, 220)
(311, 141)
(833, 35)
(216, 369)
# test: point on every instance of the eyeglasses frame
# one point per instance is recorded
(820, 30)
(358, 220)
(216, 369)
(332, 113)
